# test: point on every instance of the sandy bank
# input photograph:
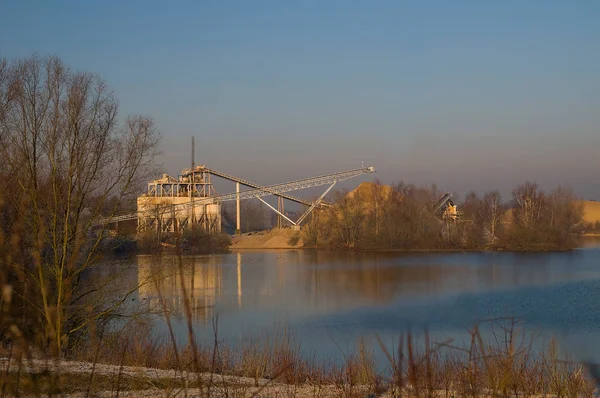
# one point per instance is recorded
(284, 238)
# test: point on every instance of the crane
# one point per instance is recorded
(447, 206)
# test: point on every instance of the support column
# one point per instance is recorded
(279, 209)
(238, 227)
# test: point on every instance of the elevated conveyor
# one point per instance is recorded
(276, 189)
(251, 184)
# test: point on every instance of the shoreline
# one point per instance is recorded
(284, 240)
(371, 251)
(440, 251)
(234, 248)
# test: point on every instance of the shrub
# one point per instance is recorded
(294, 239)
(197, 240)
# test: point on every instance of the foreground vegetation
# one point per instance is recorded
(379, 217)
(68, 163)
(416, 367)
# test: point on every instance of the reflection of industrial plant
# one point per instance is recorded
(198, 279)
(328, 280)
(307, 282)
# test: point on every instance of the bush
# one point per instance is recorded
(294, 239)
(376, 217)
(119, 246)
(197, 240)
(148, 242)
(544, 221)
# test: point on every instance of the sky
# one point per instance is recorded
(470, 95)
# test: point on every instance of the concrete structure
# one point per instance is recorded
(170, 204)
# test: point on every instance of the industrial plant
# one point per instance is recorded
(170, 205)
(173, 204)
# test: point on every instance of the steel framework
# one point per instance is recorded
(276, 189)
(251, 184)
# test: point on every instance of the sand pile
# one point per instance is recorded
(272, 239)
(591, 211)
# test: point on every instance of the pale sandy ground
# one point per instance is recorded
(221, 386)
(272, 239)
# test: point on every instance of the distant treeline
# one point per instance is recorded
(401, 217)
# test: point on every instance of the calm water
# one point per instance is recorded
(331, 300)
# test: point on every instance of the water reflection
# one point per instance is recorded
(320, 293)
(197, 278)
(239, 279)
(590, 242)
(305, 283)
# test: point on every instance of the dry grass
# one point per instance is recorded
(275, 367)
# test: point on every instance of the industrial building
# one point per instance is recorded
(173, 204)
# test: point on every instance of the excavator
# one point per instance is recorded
(445, 208)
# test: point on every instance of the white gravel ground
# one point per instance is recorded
(221, 386)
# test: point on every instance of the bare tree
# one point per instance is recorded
(346, 220)
(316, 229)
(492, 212)
(471, 207)
(254, 215)
(61, 137)
(545, 221)
(563, 210)
(529, 200)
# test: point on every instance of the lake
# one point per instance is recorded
(330, 300)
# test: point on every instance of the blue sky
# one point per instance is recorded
(467, 94)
